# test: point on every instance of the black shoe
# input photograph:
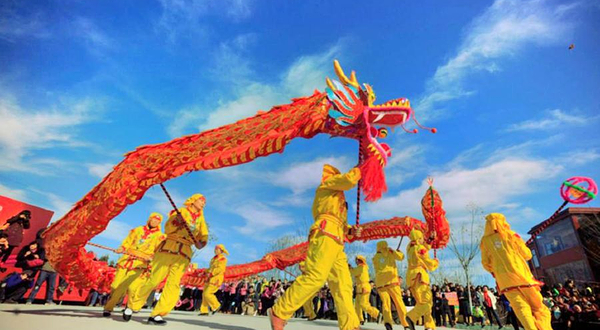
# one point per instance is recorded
(216, 310)
(157, 320)
(203, 314)
(388, 326)
(106, 314)
(127, 313)
(411, 324)
(362, 322)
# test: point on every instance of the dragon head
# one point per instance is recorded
(352, 107)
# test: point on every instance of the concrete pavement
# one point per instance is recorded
(40, 317)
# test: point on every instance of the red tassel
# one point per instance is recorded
(372, 179)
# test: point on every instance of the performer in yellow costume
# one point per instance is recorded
(388, 286)
(171, 259)
(363, 290)
(131, 271)
(309, 306)
(417, 279)
(505, 255)
(216, 273)
(325, 259)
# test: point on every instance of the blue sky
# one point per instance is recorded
(82, 83)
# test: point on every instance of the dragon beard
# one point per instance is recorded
(372, 180)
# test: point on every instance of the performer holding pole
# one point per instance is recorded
(363, 290)
(216, 274)
(505, 255)
(185, 227)
(138, 249)
(325, 259)
(388, 285)
(417, 278)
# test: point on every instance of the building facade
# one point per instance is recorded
(568, 247)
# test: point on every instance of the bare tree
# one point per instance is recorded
(464, 242)
(280, 244)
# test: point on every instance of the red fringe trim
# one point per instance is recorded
(372, 180)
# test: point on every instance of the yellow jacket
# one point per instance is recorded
(178, 240)
(384, 261)
(216, 270)
(418, 260)
(329, 207)
(141, 242)
(361, 277)
(504, 254)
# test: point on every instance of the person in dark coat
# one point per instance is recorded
(13, 229)
(14, 286)
(31, 257)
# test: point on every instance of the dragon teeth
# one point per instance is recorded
(379, 116)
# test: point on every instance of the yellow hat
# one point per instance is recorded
(155, 215)
(415, 235)
(222, 247)
(362, 259)
(193, 199)
(329, 171)
(496, 223)
(382, 246)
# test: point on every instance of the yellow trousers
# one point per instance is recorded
(163, 265)
(424, 299)
(529, 308)
(309, 309)
(325, 261)
(125, 281)
(209, 299)
(388, 294)
(361, 304)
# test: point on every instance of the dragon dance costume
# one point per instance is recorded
(417, 278)
(171, 259)
(216, 273)
(387, 283)
(363, 290)
(505, 255)
(325, 259)
(309, 306)
(131, 271)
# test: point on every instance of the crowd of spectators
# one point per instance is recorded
(571, 306)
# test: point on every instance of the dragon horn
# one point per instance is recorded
(330, 84)
(340, 73)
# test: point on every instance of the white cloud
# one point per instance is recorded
(302, 176)
(58, 205)
(300, 79)
(185, 18)
(260, 218)
(96, 40)
(14, 26)
(504, 29)
(554, 119)
(54, 127)
(17, 194)
(99, 170)
(581, 157)
(116, 231)
(161, 202)
(487, 186)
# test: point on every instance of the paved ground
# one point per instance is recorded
(25, 317)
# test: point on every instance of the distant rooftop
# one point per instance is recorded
(566, 213)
